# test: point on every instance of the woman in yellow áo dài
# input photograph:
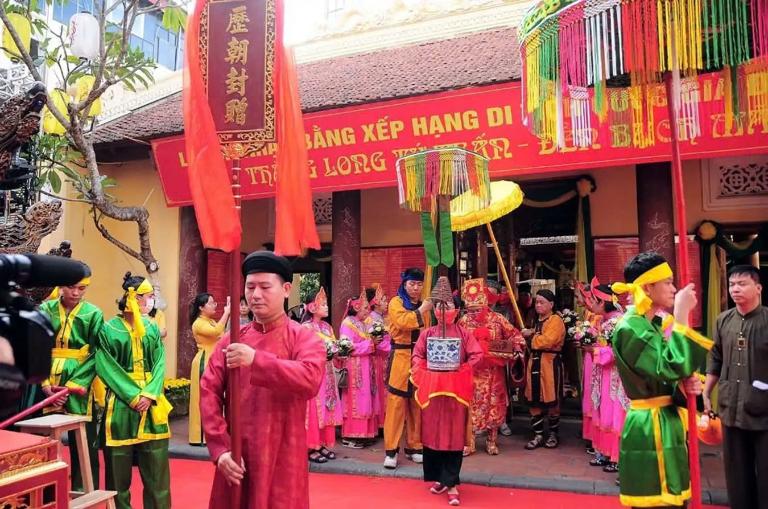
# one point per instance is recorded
(653, 454)
(207, 332)
(130, 360)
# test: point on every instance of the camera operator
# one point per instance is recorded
(76, 325)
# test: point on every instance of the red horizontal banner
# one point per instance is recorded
(356, 147)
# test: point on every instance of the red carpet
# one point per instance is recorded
(191, 485)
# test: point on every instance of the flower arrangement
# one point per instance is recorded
(177, 393)
(331, 349)
(607, 328)
(570, 319)
(584, 332)
(378, 330)
(345, 347)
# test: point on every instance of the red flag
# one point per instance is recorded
(209, 179)
(295, 228)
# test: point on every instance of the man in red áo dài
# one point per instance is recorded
(282, 366)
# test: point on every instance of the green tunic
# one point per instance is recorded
(653, 453)
(74, 360)
(132, 367)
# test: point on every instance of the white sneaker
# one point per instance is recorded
(416, 457)
(505, 430)
(390, 461)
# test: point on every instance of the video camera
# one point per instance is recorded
(29, 332)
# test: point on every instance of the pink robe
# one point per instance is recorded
(286, 372)
(587, 410)
(380, 362)
(444, 420)
(360, 400)
(324, 410)
(605, 363)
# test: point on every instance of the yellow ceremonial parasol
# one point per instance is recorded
(506, 196)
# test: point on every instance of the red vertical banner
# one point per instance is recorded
(237, 42)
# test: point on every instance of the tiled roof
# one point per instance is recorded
(477, 59)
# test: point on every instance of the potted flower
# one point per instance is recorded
(177, 394)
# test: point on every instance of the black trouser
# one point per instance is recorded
(745, 454)
(442, 466)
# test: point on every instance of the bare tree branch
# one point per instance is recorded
(105, 233)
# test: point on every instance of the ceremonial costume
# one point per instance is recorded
(444, 398)
(590, 411)
(74, 365)
(324, 411)
(286, 373)
(653, 454)
(544, 384)
(131, 362)
(380, 359)
(490, 401)
(360, 400)
(402, 411)
(207, 333)
(287, 370)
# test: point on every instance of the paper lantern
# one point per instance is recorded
(24, 28)
(51, 125)
(84, 85)
(84, 36)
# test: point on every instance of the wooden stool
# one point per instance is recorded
(55, 425)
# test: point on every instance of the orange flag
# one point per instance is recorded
(209, 179)
(295, 229)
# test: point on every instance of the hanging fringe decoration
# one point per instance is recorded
(569, 47)
(451, 172)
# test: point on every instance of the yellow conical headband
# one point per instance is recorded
(639, 297)
(132, 305)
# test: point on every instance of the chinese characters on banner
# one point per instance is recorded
(239, 48)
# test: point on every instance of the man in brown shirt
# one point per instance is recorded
(738, 363)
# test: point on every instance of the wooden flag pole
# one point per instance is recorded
(503, 269)
(684, 278)
(233, 380)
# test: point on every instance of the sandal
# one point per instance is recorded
(467, 451)
(491, 448)
(327, 453)
(599, 461)
(316, 457)
(611, 468)
(552, 441)
(438, 488)
(535, 443)
(352, 444)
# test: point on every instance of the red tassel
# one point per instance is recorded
(295, 229)
(209, 180)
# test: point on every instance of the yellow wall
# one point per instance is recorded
(137, 182)
(614, 204)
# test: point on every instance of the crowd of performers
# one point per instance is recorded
(300, 382)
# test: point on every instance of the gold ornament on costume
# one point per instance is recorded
(473, 293)
(321, 299)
